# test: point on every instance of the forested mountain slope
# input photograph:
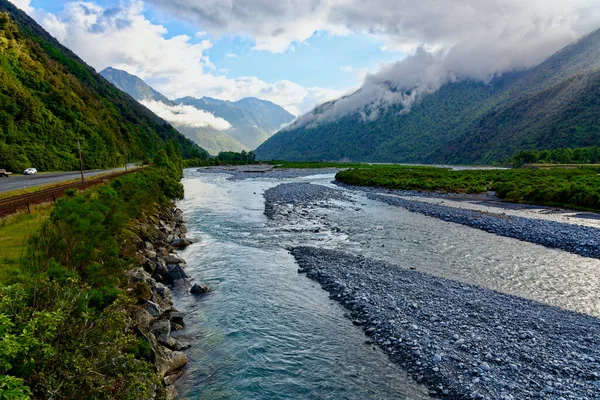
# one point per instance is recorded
(50, 99)
(553, 105)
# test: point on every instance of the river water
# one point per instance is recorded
(267, 332)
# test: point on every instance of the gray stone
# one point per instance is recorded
(199, 288)
(173, 259)
(153, 308)
(176, 272)
(437, 359)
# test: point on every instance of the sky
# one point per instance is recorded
(301, 53)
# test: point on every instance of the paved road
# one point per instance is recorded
(16, 182)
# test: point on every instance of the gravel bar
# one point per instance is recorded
(577, 239)
(299, 194)
(462, 341)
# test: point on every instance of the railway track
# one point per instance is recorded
(11, 205)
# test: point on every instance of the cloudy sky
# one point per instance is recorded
(299, 53)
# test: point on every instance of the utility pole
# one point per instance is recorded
(81, 165)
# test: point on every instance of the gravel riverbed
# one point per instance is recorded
(299, 194)
(462, 341)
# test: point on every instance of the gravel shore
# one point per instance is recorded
(462, 341)
(299, 194)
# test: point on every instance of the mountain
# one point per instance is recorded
(553, 105)
(209, 138)
(132, 85)
(50, 99)
(253, 120)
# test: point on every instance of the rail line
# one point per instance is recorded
(11, 205)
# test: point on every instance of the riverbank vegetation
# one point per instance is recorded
(65, 330)
(573, 187)
(224, 158)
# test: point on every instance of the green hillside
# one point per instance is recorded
(393, 137)
(50, 99)
(554, 105)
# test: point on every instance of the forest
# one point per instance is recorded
(50, 100)
(579, 155)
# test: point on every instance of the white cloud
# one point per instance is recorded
(188, 116)
(24, 5)
(176, 66)
(346, 68)
(446, 39)
(231, 55)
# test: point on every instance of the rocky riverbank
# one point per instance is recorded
(577, 239)
(462, 341)
(157, 238)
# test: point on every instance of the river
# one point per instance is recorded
(267, 332)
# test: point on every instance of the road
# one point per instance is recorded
(16, 182)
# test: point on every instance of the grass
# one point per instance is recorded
(577, 188)
(15, 231)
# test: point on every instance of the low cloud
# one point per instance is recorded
(187, 116)
(445, 40)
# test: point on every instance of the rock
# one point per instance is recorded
(162, 290)
(141, 318)
(180, 243)
(138, 275)
(437, 359)
(171, 362)
(199, 289)
(175, 272)
(148, 246)
(162, 331)
(174, 259)
(484, 366)
(177, 318)
(152, 308)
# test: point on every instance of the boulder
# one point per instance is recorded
(174, 259)
(152, 308)
(141, 318)
(199, 288)
(170, 362)
(176, 272)
(162, 331)
(138, 275)
(180, 243)
(177, 318)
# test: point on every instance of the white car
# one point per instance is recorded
(30, 171)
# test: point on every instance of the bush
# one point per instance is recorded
(64, 331)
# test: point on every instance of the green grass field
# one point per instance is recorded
(15, 231)
(577, 188)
